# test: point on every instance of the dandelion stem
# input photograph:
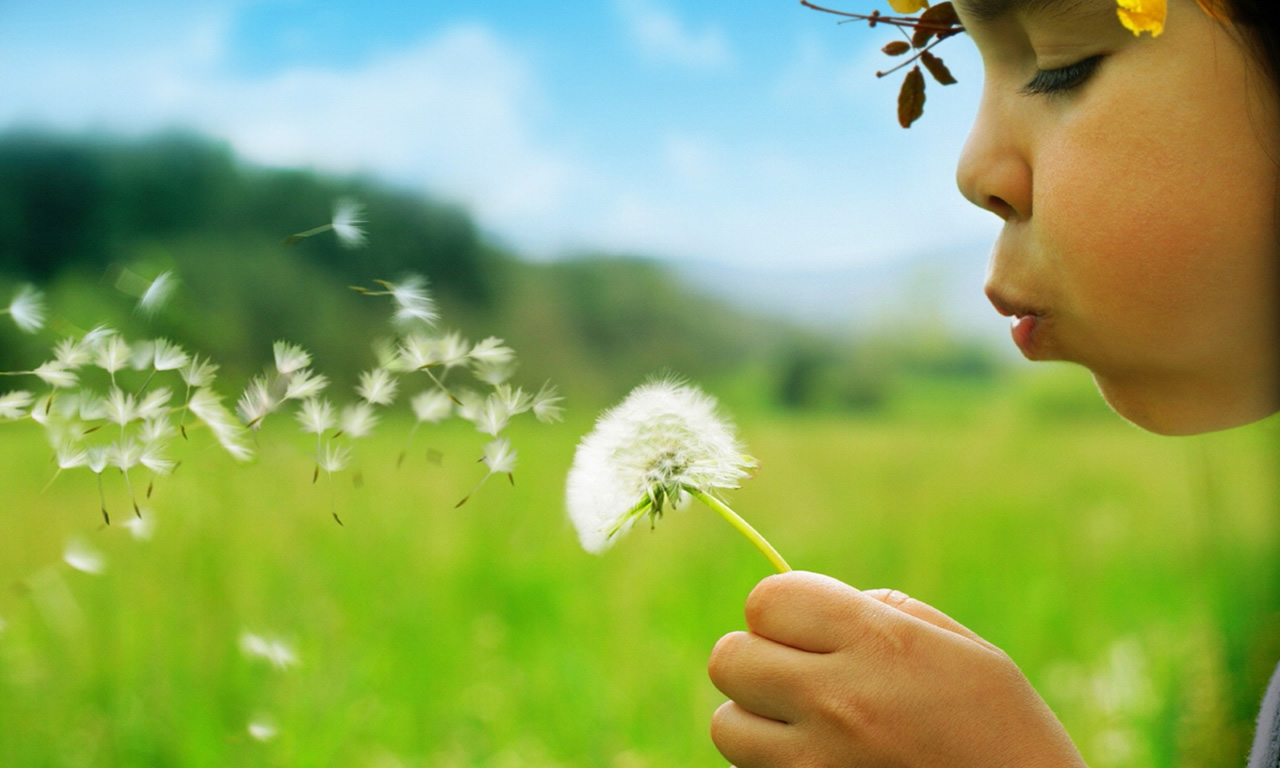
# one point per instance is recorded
(743, 527)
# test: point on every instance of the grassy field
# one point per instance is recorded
(1134, 578)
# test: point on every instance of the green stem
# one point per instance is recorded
(743, 527)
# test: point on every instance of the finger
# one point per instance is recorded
(925, 612)
(809, 611)
(762, 676)
(748, 740)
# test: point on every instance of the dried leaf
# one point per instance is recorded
(897, 48)
(911, 98)
(936, 20)
(936, 68)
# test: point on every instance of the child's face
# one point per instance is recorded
(1139, 195)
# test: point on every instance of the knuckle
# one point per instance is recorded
(763, 596)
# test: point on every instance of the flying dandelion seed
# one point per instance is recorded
(289, 357)
(14, 405)
(262, 729)
(143, 527)
(27, 309)
(348, 216)
(277, 652)
(305, 384)
(377, 387)
(662, 445)
(84, 558)
(157, 294)
(500, 458)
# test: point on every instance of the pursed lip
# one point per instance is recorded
(1026, 323)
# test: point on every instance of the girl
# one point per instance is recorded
(1137, 178)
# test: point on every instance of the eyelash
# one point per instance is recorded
(1063, 80)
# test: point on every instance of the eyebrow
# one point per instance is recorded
(990, 10)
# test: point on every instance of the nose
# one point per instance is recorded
(994, 172)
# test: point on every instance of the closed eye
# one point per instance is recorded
(1062, 80)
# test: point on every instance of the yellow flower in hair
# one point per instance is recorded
(1143, 15)
(908, 6)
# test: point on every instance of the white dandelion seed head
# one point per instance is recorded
(414, 304)
(142, 527)
(317, 416)
(158, 293)
(304, 384)
(27, 309)
(113, 353)
(271, 649)
(56, 375)
(168, 356)
(431, 406)
(499, 456)
(198, 373)
(290, 357)
(348, 216)
(84, 558)
(358, 420)
(14, 405)
(664, 438)
(262, 729)
(230, 433)
(378, 387)
(335, 457)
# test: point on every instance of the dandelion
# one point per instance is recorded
(208, 407)
(431, 406)
(663, 444)
(157, 293)
(546, 404)
(72, 353)
(256, 402)
(271, 649)
(358, 420)
(262, 729)
(56, 375)
(121, 408)
(493, 416)
(27, 309)
(317, 416)
(492, 351)
(500, 458)
(155, 404)
(305, 384)
(13, 405)
(113, 354)
(348, 216)
(143, 527)
(198, 373)
(84, 558)
(289, 357)
(414, 304)
(334, 458)
(167, 356)
(377, 387)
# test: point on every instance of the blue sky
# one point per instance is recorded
(751, 133)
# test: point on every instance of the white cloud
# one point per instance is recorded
(663, 36)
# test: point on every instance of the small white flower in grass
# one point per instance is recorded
(157, 293)
(56, 375)
(431, 406)
(27, 309)
(305, 384)
(358, 420)
(546, 404)
(377, 387)
(198, 373)
(664, 443)
(348, 216)
(272, 649)
(168, 356)
(79, 555)
(208, 407)
(14, 405)
(290, 357)
(317, 416)
(113, 354)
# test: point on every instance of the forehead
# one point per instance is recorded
(991, 10)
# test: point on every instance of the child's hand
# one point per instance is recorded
(830, 676)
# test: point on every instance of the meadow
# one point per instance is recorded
(1134, 578)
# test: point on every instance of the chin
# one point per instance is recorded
(1177, 411)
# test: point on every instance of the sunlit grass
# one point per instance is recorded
(1131, 576)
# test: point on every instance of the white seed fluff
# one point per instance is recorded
(665, 437)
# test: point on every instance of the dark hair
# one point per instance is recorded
(1254, 17)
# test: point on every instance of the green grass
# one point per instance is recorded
(1132, 577)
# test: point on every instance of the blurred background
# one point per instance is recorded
(617, 189)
